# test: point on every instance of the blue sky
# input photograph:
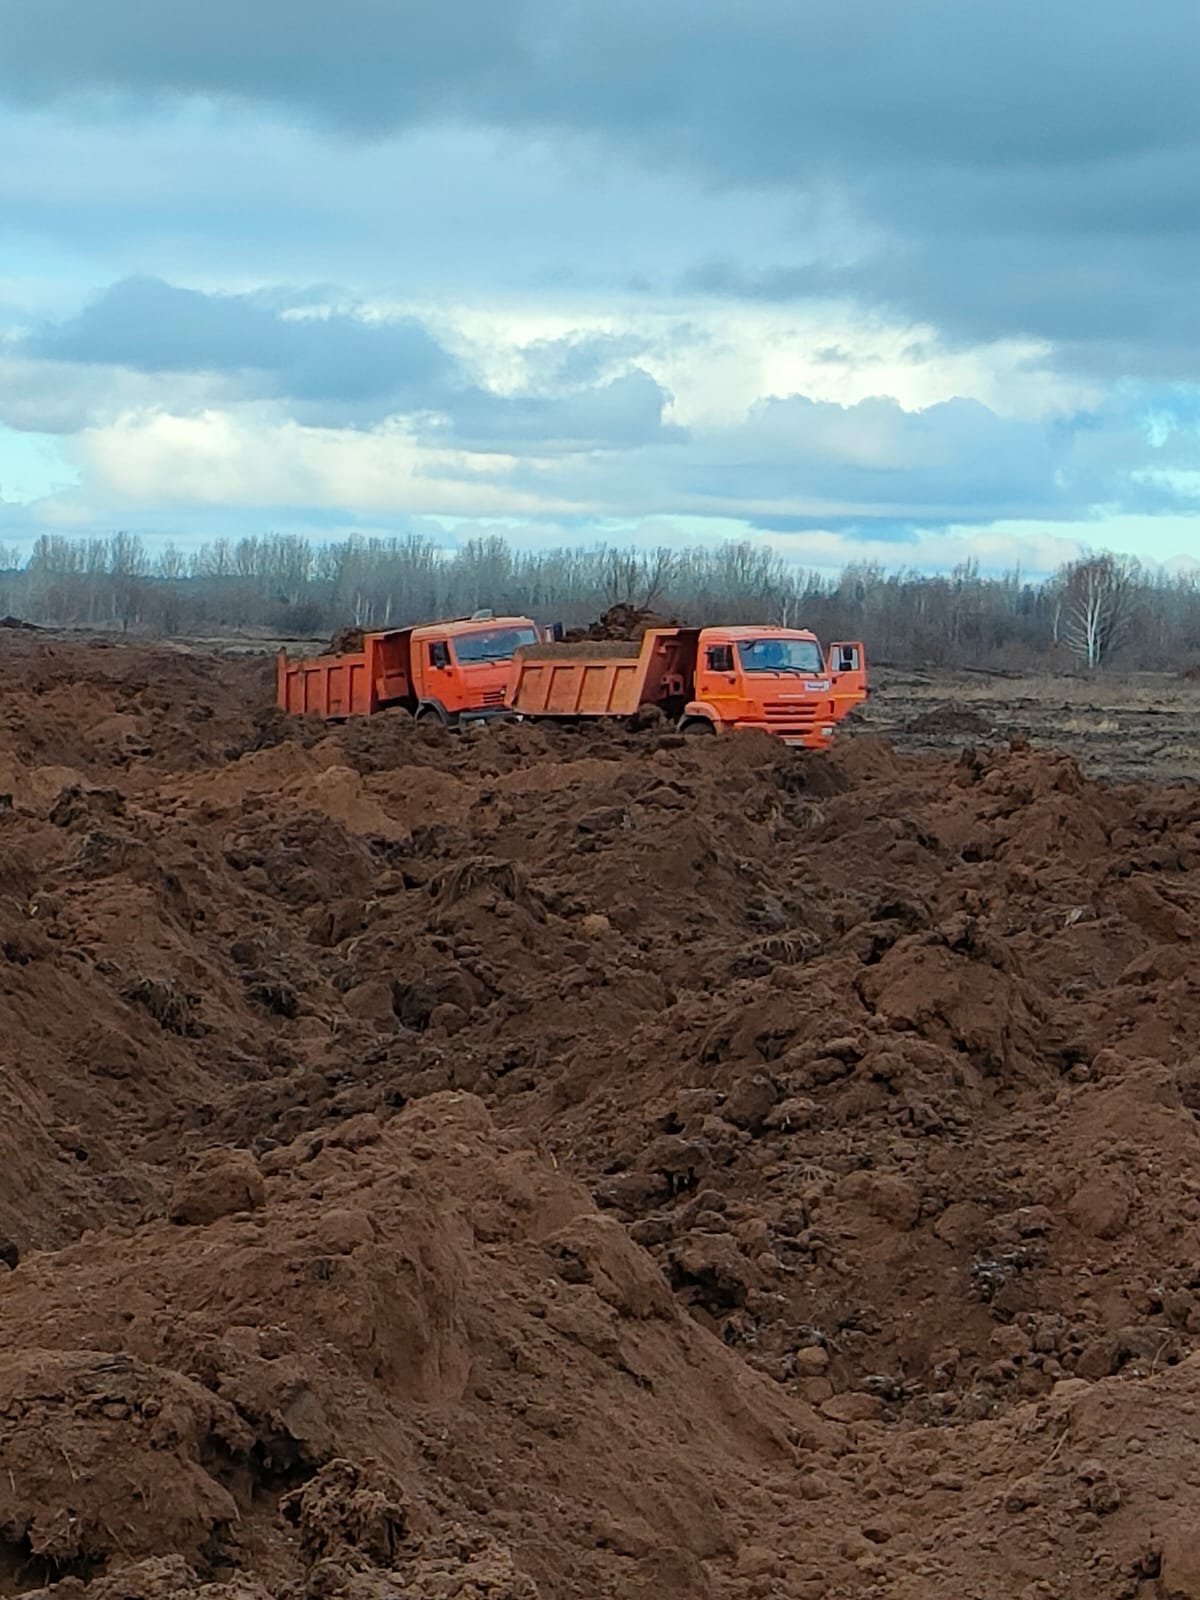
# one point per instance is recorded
(866, 281)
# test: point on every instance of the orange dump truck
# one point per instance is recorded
(450, 672)
(708, 680)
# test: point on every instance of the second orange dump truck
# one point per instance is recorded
(447, 672)
(708, 680)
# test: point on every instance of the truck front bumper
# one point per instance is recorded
(806, 736)
(487, 714)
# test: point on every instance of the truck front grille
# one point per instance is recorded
(790, 711)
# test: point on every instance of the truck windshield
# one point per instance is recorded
(780, 655)
(492, 644)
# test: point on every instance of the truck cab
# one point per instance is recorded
(775, 679)
(460, 669)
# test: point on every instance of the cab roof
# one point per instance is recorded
(453, 628)
(745, 632)
(460, 625)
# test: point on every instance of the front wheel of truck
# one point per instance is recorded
(697, 725)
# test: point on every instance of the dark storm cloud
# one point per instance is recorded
(336, 370)
(1030, 166)
(367, 64)
(761, 89)
(157, 327)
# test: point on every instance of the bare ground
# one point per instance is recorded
(578, 1164)
(1130, 727)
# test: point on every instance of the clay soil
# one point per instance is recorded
(584, 1164)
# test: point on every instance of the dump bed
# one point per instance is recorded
(354, 684)
(610, 679)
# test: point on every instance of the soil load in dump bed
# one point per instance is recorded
(571, 1163)
(582, 650)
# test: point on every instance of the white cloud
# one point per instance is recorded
(227, 459)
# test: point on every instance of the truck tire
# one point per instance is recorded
(428, 716)
(696, 725)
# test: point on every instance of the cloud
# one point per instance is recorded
(871, 470)
(768, 89)
(999, 171)
(144, 341)
(621, 414)
(369, 369)
(358, 66)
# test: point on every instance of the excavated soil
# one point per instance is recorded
(583, 1163)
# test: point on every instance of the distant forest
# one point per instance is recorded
(1097, 610)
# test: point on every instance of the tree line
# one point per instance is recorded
(1098, 609)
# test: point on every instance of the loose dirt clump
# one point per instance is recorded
(575, 1162)
(346, 642)
(620, 622)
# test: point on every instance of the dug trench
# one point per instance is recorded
(582, 1163)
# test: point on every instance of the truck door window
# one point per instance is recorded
(439, 653)
(720, 658)
(847, 659)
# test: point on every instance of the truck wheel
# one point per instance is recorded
(697, 725)
(428, 716)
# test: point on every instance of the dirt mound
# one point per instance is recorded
(346, 642)
(422, 1292)
(621, 622)
(576, 1162)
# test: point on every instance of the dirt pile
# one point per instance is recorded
(577, 1163)
(346, 642)
(620, 623)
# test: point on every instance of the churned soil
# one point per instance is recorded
(578, 1163)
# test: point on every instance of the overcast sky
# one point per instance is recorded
(906, 282)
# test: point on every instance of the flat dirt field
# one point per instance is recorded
(586, 1165)
(1134, 727)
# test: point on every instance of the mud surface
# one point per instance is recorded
(1140, 727)
(575, 1164)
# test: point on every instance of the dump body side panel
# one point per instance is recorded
(351, 685)
(338, 686)
(602, 680)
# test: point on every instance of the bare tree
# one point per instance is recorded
(128, 568)
(658, 568)
(1098, 594)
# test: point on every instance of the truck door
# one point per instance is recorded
(439, 675)
(718, 683)
(847, 668)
